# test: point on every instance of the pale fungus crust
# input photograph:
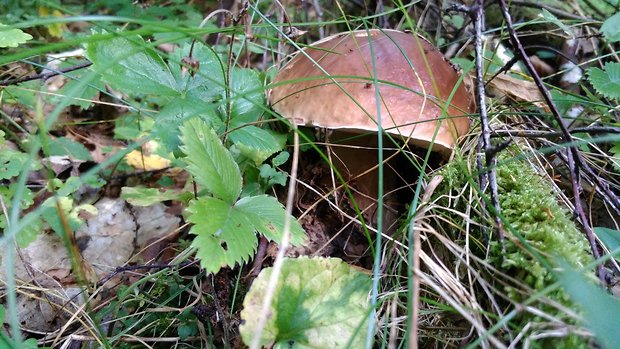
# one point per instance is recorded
(331, 84)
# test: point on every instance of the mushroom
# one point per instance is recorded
(334, 84)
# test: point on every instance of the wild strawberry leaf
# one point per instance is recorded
(256, 143)
(178, 111)
(606, 82)
(205, 81)
(319, 303)
(611, 28)
(247, 94)
(224, 234)
(128, 64)
(267, 216)
(210, 162)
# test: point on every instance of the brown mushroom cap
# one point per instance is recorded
(303, 92)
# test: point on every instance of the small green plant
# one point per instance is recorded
(201, 103)
(225, 223)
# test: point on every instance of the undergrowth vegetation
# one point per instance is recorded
(150, 196)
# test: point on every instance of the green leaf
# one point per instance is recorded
(599, 308)
(611, 28)
(271, 176)
(11, 37)
(224, 235)
(128, 64)
(178, 111)
(267, 216)
(209, 162)
(256, 143)
(63, 146)
(139, 196)
(615, 156)
(247, 94)
(553, 19)
(71, 215)
(280, 159)
(207, 84)
(319, 303)
(85, 96)
(606, 82)
(12, 163)
(30, 232)
(185, 331)
(610, 237)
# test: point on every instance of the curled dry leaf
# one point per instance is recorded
(506, 86)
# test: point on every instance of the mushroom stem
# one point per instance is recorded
(355, 158)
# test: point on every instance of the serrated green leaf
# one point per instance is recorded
(209, 162)
(224, 235)
(179, 110)
(11, 37)
(247, 94)
(611, 28)
(606, 82)
(63, 146)
(256, 143)
(129, 65)
(139, 196)
(599, 308)
(267, 215)
(208, 83)
(319, 303)
(12, 163)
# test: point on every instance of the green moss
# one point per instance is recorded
(532, 210)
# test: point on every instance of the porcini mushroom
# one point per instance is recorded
(333, 84)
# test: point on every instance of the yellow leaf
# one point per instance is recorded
(145, 159)
(55, 30)
(146, 162)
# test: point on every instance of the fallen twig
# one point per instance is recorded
(489, 176)
(45, 75)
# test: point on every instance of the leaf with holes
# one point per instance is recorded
(209, 162)
(226, 234)
(606, 82)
